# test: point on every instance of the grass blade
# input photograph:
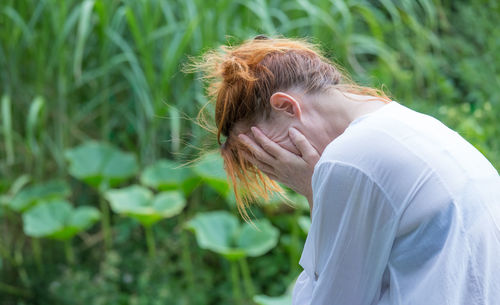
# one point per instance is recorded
(7, 129)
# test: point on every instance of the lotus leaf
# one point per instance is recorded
(168, 175)
(57, 219)
(210, 168)
(97, 163)
(221, 232)
(140, 203)
(296, 200)
(31, 195)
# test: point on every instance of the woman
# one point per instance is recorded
(404, 210)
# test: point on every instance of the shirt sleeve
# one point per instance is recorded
(352, 232)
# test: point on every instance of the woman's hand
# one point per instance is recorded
(282, 165)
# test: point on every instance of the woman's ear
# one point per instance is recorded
(286, 103)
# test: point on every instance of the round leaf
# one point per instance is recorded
(83, 217)
(138, 202)
(221, 232)
(57, 219)
(169, 203)
(257, 242)
(96, 163)
(214, 231)
(167, 175)
(31, 195)
(210, 168)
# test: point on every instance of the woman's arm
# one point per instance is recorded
(349, 243)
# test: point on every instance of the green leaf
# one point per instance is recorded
(214, 231)
(266, 300)
(210, 168)
(221, 232)
(295, 200)
(83, 217)
(100, 164)
(258, 241)
(7, 129)
(305, 223)
(31, 195)
(34, 124)
(299, 201)
(58, 220)
(168, 175)
(139, 202)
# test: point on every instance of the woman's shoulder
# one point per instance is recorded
(392, 133)
(389, 148)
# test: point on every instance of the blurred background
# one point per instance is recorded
(97, 117)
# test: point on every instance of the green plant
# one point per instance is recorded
(57, 219)
(169, 175)
(139, 203)
(102, 166)
(211, 170)
(220, 231)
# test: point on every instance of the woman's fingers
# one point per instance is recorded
(263, 167)
(269, 146)
(256, 150)
(308, 152)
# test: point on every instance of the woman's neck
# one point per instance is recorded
(330, 114)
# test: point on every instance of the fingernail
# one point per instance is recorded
(253, 129)
(292, 130)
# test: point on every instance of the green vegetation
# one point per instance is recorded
(97, 121)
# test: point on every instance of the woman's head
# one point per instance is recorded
(247, 82)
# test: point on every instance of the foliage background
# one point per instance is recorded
(109, 70)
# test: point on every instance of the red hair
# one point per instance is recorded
(241, 80)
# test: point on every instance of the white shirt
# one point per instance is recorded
(405, 212)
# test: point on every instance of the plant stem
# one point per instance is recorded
(6, 255)
(247, 279)
(18, 258)
(7, 129)
(68, 250)
(235, 283)
(37, 252)
(106, 230)
(150, 240)
(186, 258)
